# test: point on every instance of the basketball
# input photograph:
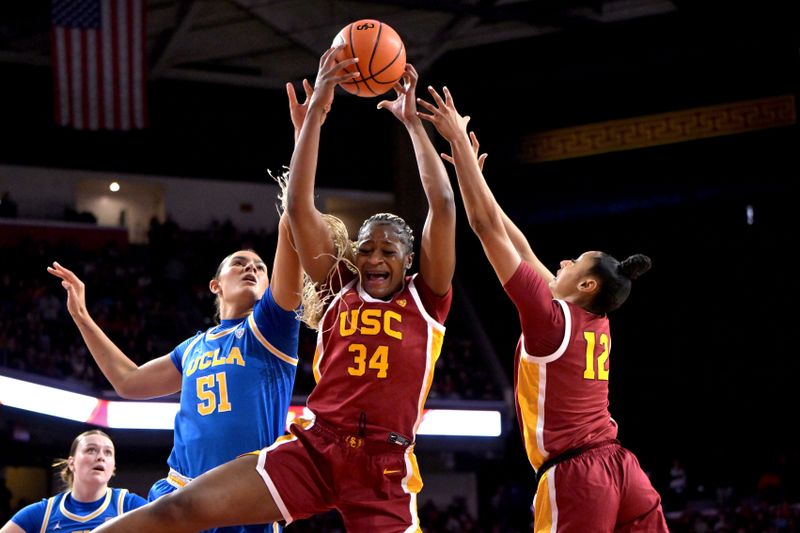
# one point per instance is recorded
(380, 52)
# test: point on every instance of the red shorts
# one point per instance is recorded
(602, 489)
(373, 484)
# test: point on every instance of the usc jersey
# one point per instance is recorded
(375, 359)
(561, 370)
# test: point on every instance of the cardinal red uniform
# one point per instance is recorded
(562, 369)
(374, 367)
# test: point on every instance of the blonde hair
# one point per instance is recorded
(315, 297)
(62, 465)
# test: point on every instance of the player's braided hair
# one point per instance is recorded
(404, 231)
(615, 278)
(62, 465)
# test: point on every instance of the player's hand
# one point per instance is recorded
(297, 110)
(444, 115)
(404, 106)
(329, 75)
(76, 290)
(473, 139)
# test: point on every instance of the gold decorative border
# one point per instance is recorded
(664, 128)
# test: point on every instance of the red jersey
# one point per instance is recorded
(561, 370)
(374, 360)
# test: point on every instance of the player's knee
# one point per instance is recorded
(173, 509)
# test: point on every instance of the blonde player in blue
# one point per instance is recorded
(236, 378)
(88, 501)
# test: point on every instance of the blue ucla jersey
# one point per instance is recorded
(236, 387)
(63, 514)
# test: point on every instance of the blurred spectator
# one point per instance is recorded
(676, 494)
(8, 207)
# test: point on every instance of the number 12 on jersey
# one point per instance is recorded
(601, 372)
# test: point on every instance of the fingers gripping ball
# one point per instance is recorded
(381, 56)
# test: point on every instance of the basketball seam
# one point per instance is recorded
(358, 67)
(372, 76)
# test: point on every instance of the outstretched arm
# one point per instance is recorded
(155, 378)
(311, 234)
(484, 214)
(437, 248)
(287, 275)
(521, 243)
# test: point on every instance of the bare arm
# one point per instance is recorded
(311, 234)
(158, 377)
(484, 214)
(521, 243)
(11, 527)
(287, 276)
(437, 247)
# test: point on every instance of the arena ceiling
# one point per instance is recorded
(263, 43)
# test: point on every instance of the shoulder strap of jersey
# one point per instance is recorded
(50, 502)
(121, 493)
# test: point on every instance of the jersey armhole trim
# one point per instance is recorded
(268, 345)
(564, 342)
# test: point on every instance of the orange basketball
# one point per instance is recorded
(380, 52)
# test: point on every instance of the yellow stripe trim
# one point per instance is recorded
(528, 395)
(437, 338)
(121, 500)
(273, 350)
(50, 501)
(222, 333)
(175, 479)
(542, 509)
(78, 518)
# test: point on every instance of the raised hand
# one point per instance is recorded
(404, 107)
(473, 139)
(444, 115)
(330, 74)
(76, 290)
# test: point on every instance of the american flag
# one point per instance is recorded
(99, 64)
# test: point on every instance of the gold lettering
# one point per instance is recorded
(235, 357)
(192, 366)
(387, 325)
(205, 359)
(217, 359)
(371, 318)
(345, 331)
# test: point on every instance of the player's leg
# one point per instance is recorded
(383, 495)
(640, 509)
(228, 495)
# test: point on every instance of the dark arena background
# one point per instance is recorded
(644, 126)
